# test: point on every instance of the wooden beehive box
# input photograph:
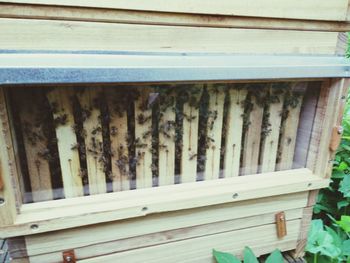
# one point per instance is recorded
(166, 163)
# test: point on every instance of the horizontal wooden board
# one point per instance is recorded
(163, 18)
(305, 9)
(158, 238)
(62, 214)
(82, 237)
(22, 34)
(261, 239)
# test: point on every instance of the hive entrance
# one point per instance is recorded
(75, 141)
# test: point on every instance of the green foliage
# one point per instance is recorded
(329, 235)
(248, 257)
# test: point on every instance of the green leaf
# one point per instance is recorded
(341, 204)
(249, 256)
(342, 166)
(222, 257)
(345, 186)
(344, 223)
(346, 247)
(275, 257)
(338, 174)
(337, 241)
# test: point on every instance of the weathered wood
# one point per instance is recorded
(290, 126)
(89, 99)
(67, 13)
(234, 126)
(258, 238)
(158, 238)
(70, 35)
(323, 9)
(36, 145)
(214, 132)
(177, 220)
(143, 138)
(61, 104)
(252, 136)
(166, 148)
(118, 127)
(271, 130)
(303, 234)
(189, 153)
(130, 204)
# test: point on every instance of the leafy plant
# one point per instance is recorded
(248, 257)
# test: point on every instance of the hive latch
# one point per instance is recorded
(69, 256)
(281, 224)
(336, 138)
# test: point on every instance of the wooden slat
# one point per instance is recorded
(61, 104)
(290, 127)
(118, 127)
(89, 98)
(250, 156)
(322, 9)
(214, 131)
(271, 130)
(190, 137)
(259, 239)
(164, 18)
(56, 35)
(82, 237)
(130, 204)
(36, 145)
(166, 131)
(8, 210)
(173, 235)
(143, 138)
(234, 126)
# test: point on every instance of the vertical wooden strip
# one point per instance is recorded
(250, 152)
(143, 138)
(166, 146)
(190, 136)
(234, 126)
(89, 100)
(290, 126)
(35, 145)
(118, 127)
(61, 104)
(214, 131)
(7, 167)
(271, 131)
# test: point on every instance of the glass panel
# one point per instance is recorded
(76, 141)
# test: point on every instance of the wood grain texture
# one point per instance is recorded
(69, 13)
(61, 103)
(65, 35)
(321, 9)
(303, 234)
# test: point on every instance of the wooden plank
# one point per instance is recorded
(8, 209)
(178, 220)
(292, 106)
(166, 129)
(199, 249)
(234, 128)
(159, 238)
(303, 234)
(322, 9)
(36, 144)
(89, 99)
(271, 129)
(190, 138)
(34, 34)
(118, 126)
(214, 131)
(143, 138)
(164, 18)
(131, 204)
(61, 104)
(252, 135)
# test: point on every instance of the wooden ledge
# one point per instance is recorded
(74, 212)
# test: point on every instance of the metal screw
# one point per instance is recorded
(235, 195)
(68, 259)
(34, 227)
(144, 209)
(2, 201)
(309, 184)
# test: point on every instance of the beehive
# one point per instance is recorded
(133, 130)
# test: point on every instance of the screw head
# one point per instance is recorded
(2, 201)
(235, 195)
